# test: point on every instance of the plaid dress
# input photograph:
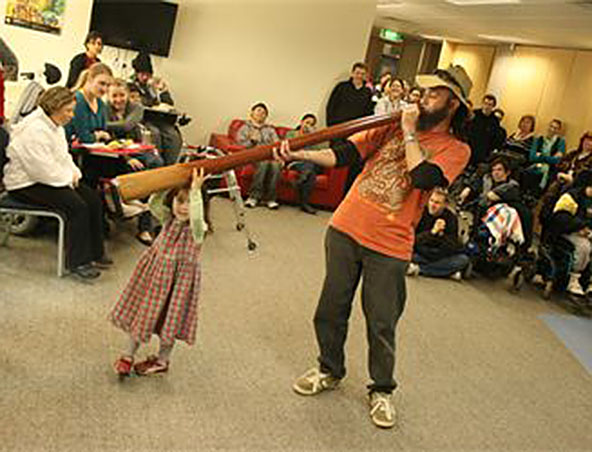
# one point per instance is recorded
(162, 294)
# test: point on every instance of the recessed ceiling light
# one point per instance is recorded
(483, 2)
(388, 3)
(433, 37)
(504, 38)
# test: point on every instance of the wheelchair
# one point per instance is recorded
(510, 259)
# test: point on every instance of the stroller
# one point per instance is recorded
(498, 239)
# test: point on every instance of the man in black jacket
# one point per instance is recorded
(437, 250)
(351, 99)
(485, 133)
(495, 186)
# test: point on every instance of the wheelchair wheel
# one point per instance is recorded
(548, 290)
(517, 280)
(20, 224)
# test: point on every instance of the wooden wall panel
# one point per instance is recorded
(477, 61)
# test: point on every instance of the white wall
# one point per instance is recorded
(227, 55)
(34, 48)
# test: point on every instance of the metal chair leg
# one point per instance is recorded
(61, 242)
(5, 222)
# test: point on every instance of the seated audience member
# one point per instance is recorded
(123, 116)
(134, 94)
(82, 61)
(394, 101)
(521, 140)
(567, 170)
(437, 250)
(415, 95)
(572, 220)
(124, 121)
(154, 93)
(576, 161)
(381, 88)
(89, 123)
(308, 170)
(254, 132)
(41, 171)
(494, 187)
(546, 152)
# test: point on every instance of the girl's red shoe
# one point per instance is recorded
(123, 366)
(151, 366)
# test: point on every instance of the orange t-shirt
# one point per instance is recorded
(382, 208)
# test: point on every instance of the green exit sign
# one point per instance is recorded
(390, 35)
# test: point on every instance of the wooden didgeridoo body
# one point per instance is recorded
(141, 184)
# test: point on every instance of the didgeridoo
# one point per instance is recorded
(139, 185)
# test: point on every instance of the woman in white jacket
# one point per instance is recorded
(40, 170)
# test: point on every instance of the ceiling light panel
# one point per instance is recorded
(483, 2)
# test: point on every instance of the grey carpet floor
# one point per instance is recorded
(477, 369)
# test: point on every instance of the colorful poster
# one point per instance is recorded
(42, 15)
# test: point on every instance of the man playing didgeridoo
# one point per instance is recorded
(371, 233)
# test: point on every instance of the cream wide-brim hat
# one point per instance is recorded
(455, 78)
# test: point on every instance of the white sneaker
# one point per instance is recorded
(251, 202)
(574, 287)
(272, 205)
(314, 381)
(457, 276)
(412, 269)
(132, 209)
(382, 410)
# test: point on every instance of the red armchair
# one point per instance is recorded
(328, 191)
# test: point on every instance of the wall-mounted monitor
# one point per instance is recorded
(138, 25)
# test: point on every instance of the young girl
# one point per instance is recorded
(161, 296)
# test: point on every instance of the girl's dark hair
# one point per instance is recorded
(460, 122)
(133, 88)
(309, 115)
(532, 121)
(260, 105)
(584, 137)
(359, 65)
(92, 36)
(490, 97)
(501, 161)
(172, 194)
(400, 80)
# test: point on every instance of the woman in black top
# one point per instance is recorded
(82, 61)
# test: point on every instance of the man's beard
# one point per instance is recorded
(428, 120)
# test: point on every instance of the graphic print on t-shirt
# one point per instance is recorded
(385, 180)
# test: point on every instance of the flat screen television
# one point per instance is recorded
(139, 25)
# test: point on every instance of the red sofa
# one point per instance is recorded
(328, 191)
